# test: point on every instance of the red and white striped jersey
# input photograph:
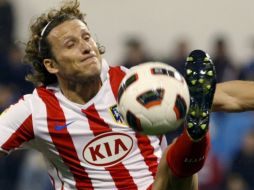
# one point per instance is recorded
(87, 146)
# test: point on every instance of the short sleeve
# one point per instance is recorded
(16, 126)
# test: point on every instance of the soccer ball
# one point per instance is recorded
(153, 98)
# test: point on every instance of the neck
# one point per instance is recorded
(80, 92)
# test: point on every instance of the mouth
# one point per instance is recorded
(90, 56)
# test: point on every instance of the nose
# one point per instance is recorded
(85, 47)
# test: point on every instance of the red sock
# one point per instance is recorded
(186, 157)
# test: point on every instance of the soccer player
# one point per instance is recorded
(72, 117)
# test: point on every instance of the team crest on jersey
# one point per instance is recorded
(116, 114)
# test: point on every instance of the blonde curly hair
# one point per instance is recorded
(38, 47)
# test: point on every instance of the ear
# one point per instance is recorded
(50, 65)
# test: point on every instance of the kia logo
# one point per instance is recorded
(107, 149)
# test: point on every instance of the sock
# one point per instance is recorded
(185, 157)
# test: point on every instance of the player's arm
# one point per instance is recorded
(234, 96)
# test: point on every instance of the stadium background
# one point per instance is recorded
(159, 23)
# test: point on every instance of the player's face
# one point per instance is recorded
(76, 55)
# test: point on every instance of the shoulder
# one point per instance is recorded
(115, 74)
(17, 111)
(112, 71)
(119, 71)
(29, 101)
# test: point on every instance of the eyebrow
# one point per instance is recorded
(85, 32)
(69, 36)
(66, 39)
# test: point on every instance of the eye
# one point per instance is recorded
(69, 44)
(86, 37)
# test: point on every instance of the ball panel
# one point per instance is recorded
(180, 107)
(151, 98)
(133, 121)
(126, 84)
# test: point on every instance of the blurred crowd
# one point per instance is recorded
(231, 160)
